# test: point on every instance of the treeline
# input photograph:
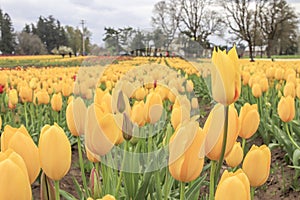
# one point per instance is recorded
(47, 36)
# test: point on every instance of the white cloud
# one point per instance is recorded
(96, 13)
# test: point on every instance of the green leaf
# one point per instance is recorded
(47, 188)
(194, 190)
(78, 188)
(66, 195)
(296, 157)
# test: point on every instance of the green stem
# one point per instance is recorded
(212, 180)
(82, 166)
(223, 144)
(158, 187)
(25, 112)
(243, 144)
(56, 184)
(252, 191)
(121, 170)
(182, 187)
(167, 184)
(291, 138)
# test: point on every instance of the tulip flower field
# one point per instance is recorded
(149, 128)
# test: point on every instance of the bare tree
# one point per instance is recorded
(242, 18)
(198, 20)
(166, 15)
(279, 25)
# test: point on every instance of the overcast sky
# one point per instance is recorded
(96, 13)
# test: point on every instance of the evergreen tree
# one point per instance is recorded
(7, 39)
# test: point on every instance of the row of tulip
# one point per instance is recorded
(151, 110)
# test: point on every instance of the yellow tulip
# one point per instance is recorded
(25, 94)
(13, 96)
(102, 131)
(18, 140)
(42, 97)
(14, 180)
(140, 93)
(66, 89)
(106, 197)
(233, 186)
(91, 156)
(249, 118)
(186, 143)
(286, 108)
(279, 73)
(70, 99)
(235, 156)
(189, 86)
(298, 91)
(0, 125)
(55, 152)
(214, 129)
(264, 84)
(137, 113)
(75, 116)
(178, 115)
(256, 90)
(153, 108)
(194, 103)
(226, 77)
(289, 90)
(245, 77)
(257, 165)
(56, 102)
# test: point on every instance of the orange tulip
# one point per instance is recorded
(257, 165)
(286, 108)
(249, 118)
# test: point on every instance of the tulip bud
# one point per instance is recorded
(249, 118)
(235, 156)
(257, 165)
(55, 152)
(286, 108)
(178, 115)
(127, 127)
(56, 102)
(233, 186)
(121, 102)
(14, 181)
